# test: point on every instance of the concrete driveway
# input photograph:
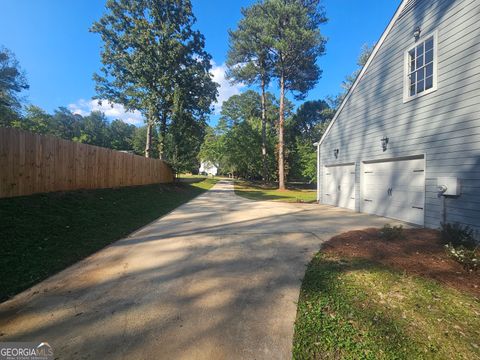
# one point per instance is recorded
(217, 278)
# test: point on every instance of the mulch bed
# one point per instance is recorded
(420, 252)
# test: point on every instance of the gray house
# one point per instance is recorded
(405, 142)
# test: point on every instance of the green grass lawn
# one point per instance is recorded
(294, 193)
(43, 234)
(191, 176)
(355, 309)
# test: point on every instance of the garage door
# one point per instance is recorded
(339, 185)
(395, 189)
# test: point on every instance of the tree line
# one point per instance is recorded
(155, 62)
(234, 144)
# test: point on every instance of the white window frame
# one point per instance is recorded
(406, 61)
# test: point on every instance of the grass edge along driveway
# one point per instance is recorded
(353, 308)
(45, 233)
(259, 192)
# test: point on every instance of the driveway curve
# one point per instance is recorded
(217, 278)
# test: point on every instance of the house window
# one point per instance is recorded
(421, 72)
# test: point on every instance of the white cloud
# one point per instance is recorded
(226, 89)
(112, 111)
(84, 107)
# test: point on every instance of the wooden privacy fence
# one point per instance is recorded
(31, 163)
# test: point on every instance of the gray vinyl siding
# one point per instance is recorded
(443, 125)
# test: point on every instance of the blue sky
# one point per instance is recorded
(53, 45)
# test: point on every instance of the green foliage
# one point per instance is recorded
(458, 235)
(12, 83)
(121, 135)
(304, 128)
(461, 245)
(290, 31)
(236, 143)
(469, 258)
(249, 62)
(35, 120)
(94, 130)
(211, 149)
(390, 233)
(184, 139)
(302, 161)
(309, 120)
(66, 125)
(139, 141)
(150, 50)
(287, 34)
(248, 59)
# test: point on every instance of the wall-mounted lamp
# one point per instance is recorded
(416, 33)
(384, 143)
(335, 153)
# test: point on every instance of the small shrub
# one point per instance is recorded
(389, 232)
(469, 258)
(458, 235)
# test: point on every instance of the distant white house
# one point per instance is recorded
(208, 168)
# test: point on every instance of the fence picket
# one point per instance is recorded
(33, 163)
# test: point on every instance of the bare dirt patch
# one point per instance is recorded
(420, 252)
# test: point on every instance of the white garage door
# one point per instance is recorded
(395, 189)
(339, 185)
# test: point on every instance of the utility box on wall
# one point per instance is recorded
(448, 186)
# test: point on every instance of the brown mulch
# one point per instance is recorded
(420, 253)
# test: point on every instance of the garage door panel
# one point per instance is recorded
(417, 198)
(377, 180)
(408, 179)
(377, 196)
(395, 188)
(339, 185)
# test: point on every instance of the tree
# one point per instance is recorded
(12, 83)
(305, 127)
(65, 124)
(248, 61)
(139, 140)
(121, 135)
(185, 136)
(233, 145)
(150, 49)
(94, 130)
(35, 120)
(240, 108)
(290, 32)
(304, 123)
(212, 149)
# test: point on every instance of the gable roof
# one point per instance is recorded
(404, 7)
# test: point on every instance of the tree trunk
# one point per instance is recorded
(264, 133)
(163, 132)
(148, 143)
(281, 162)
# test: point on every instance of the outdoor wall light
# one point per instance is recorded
(335, 153)
(384, 143)
(416, 32)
